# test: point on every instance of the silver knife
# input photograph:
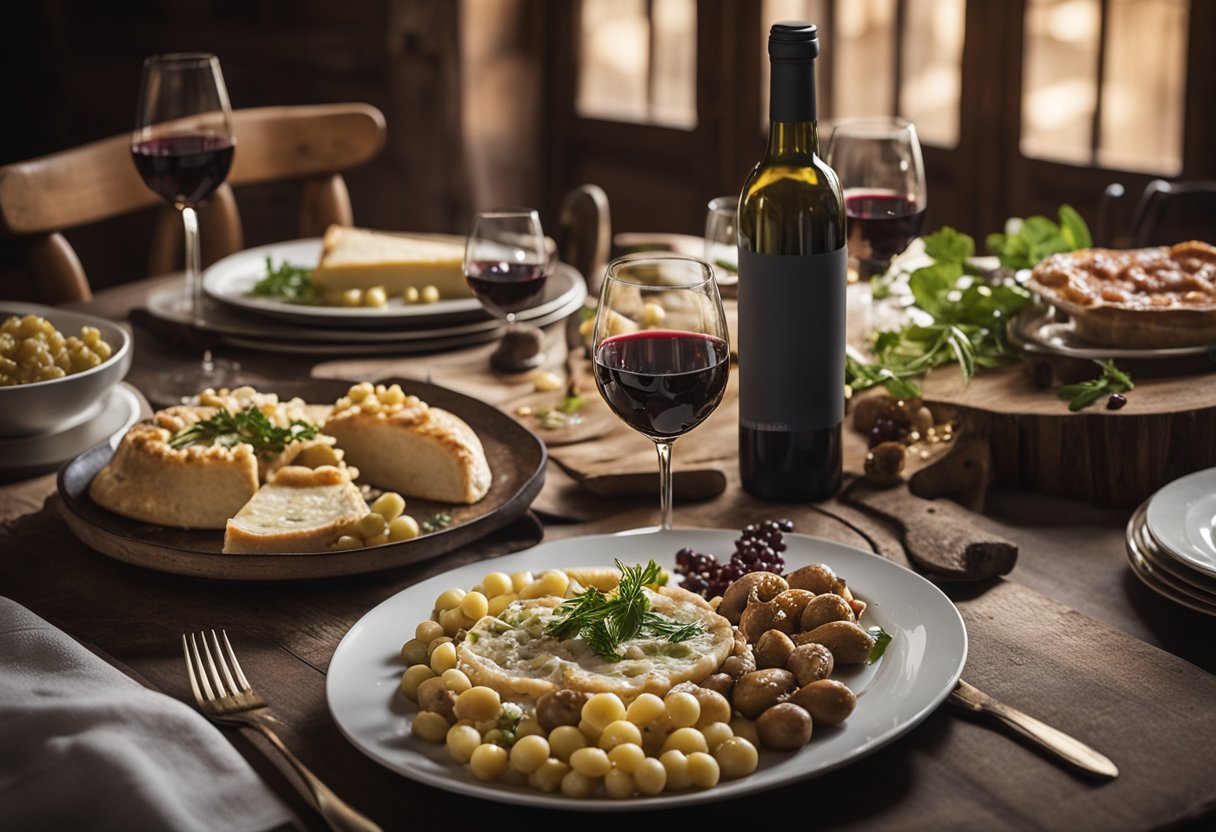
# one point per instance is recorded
(1072, 751)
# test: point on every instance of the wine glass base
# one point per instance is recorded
(519, 350)
(181, 385)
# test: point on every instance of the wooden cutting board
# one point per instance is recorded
(1014, 433)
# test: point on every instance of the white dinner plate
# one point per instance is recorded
(1182, 517)
(920, 667)
(1147, 563)
(231, 280)
(26, 456)
(436, 341)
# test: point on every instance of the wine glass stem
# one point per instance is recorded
(194, 278)
(664, 449)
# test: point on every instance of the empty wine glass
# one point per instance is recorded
(722, 237)
(505, 264)
(883, 176)
(660, 349)
(182, 146)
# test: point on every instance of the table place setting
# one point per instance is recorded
(348, 530)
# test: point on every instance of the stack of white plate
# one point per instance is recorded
(1171, 541)
(248, 321)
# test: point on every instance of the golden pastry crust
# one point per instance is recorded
(190, 488)
(519, 661)
(1150, 298)
(398, 442)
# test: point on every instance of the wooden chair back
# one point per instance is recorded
(1174, 212)
(42, 197)
(584, 236)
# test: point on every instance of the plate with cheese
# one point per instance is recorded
(356, 277)
(306, 479)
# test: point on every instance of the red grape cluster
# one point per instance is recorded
(758, 549)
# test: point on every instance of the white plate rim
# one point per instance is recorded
(1168, 518)
(351, 689)
(1142, 567)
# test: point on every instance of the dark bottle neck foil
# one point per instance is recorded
(792, 49)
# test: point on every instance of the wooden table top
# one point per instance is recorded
(1070, 636)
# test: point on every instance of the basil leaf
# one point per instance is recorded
(949, 246)
(881, 639)
(1074, 229)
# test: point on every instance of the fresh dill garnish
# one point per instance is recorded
(436, 522)
(291, 283)
(249, 426)
(607, 620)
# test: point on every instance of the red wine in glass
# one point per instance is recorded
(183, 168)
(506, 287)
(663, 383)
(881, 225)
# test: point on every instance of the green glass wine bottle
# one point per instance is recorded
(792, 277)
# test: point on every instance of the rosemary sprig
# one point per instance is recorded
(249, 426)
(607, 620)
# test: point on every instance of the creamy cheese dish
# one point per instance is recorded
(511, 653)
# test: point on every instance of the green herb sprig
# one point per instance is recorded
(249, 426)
(881, 639)
(436, 522)
(1082, 394)
(607, 620)
(291, 283)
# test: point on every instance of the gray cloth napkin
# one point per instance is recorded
(83, 746)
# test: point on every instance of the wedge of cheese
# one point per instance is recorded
(355, 258)
(299, 510)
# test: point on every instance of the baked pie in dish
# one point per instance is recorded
(1148, 298)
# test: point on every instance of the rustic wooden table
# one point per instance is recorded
(1070, 636)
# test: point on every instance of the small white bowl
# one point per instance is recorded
(61, 403)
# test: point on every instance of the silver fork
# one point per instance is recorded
(226, 696)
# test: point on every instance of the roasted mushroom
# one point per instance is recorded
(758, 691)
(773, 649)
(784, 727)
(560, 707)
(824, 608)
(765, 585)
(828, 701)
(810, 662)
(849, 643)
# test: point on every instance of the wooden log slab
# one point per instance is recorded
(1104, 457)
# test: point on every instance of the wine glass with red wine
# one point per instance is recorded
(506, 264)
(883, 176)
(660, 350)
(182, 146)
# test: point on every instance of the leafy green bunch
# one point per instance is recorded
(965, 319)
(607, 620)
(1027, 241)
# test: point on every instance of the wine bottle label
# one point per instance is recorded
(791, 340)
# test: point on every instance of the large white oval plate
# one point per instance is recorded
(919, 669)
